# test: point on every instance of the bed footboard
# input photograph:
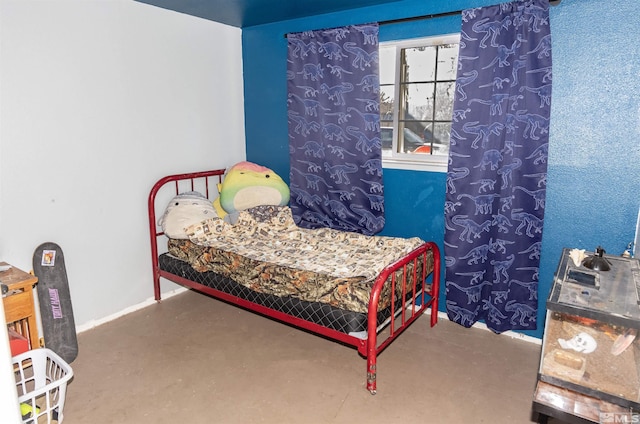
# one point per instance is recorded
(409, 299)
(420, 300)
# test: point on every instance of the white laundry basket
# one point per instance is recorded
(41, 381)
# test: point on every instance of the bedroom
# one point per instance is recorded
(91, 90)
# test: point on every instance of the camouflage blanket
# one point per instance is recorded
(265, 251)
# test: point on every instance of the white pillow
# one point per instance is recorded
(184, 210)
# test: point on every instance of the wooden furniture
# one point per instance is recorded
(18, 303)
(590, 361)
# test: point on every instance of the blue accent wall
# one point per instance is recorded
(593, 192)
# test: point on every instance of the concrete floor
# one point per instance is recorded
(193, 359)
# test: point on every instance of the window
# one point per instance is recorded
(417, 86)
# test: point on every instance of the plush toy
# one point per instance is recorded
(247, 185)
(184, 210)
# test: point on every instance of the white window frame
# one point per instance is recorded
(418, 162)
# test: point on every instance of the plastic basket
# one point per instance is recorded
(41, 381)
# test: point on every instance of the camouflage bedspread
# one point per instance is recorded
(266, 252)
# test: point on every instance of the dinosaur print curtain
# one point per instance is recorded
(496, 181)
(334, 129)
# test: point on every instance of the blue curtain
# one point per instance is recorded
(334, 129)
(496, 181)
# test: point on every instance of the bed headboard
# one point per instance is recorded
(206, 182)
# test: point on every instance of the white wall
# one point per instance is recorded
(98, 100)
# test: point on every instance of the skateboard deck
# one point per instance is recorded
(56, 312)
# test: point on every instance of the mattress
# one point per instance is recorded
(323, 314)
(266, 252)
(324, 276)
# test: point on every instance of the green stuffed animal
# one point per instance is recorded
(246, 185)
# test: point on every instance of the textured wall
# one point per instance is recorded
(594, 171)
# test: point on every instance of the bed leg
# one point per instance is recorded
(434, 310)
(372, 343)
(435, 285)
(156, 287)
(371, 374)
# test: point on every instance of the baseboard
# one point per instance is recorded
(95, 323)
(441, 316)
(483, 326)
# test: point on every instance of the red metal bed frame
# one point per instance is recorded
(370, 347)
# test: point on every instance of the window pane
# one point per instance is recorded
(419, 64)
(408, 140)
(427, 132)
(441, 136)
(387, 61)
(447, 62)
(417, 101)
(444, 100)
(387, 109)
(386, 137)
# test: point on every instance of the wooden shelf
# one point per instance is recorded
(18, 303)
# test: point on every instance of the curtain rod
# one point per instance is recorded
(416, 18)
(435, 15)
(439, 15)
(421, 17)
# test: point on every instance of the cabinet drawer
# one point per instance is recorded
(18, 306)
